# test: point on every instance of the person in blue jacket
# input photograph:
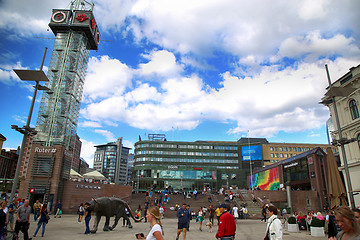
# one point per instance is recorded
(183, 220)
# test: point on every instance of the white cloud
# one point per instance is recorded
(270, 101)
(90, 124)
(106, 77)
(315, 46)
(87, 151)
(162, 63)
(107, 134)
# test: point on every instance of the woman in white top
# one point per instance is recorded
(274, 228)
(153, 217)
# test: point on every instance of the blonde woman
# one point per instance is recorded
(156, 232)
(345, 218)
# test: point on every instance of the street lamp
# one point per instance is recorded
(27, 75)
(333, 92)
(138, 185)
(227, 181)
(181, 182)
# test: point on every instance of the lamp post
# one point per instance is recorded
(138, 185)
(333, 91)
(227, 181)
(27, 75)
(181, 182)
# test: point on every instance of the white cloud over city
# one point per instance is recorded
(251, 65)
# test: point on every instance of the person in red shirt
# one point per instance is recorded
(227, 226)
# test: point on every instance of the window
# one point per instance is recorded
(281, 155)
(285, 149)
(272, 155)
(294, 149)
(358, 139)
(276, 148)
(276, 155)
(299, 149)
(271, 149)
(280, 148)
(353, 109)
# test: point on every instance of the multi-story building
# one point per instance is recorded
(345, 94)
(190, 165)
(111, 160)
(48, 158)
(275, 152)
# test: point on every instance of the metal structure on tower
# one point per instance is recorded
(76, 34)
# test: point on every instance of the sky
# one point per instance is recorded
(193, 70)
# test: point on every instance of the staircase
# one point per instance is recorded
(254, 210)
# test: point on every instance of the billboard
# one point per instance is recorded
(254, 152)
(266, 180)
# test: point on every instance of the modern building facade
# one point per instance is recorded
(276, 152)
(111, 160)
(55, 149)
(345, 91)
(193, 165)
(307, 171)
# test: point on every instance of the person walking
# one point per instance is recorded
(190, 217)
(44, 219)
(81, 212)
(218, 213)
(146, 209)
(156, 232)
(58, 210)
(183, 218)
(37, 208)
(87, 217)
(2, 220)
(211, 213)
(200, 217)
(22, 220)
(346, 220)
(274, 229)
(235, 212)
(11, 213)
(263, 213)
(227, 226)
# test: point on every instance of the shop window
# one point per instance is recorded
(353, 109)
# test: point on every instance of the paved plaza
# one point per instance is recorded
(67, 228)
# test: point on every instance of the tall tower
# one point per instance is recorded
(76, 33)
(48, 158)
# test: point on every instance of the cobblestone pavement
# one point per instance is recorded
(67, 228)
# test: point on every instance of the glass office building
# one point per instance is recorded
(190, 165)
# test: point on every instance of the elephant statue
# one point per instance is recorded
(109, 207)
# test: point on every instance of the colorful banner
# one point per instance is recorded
(266, 180)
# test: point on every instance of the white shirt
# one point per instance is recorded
(275, 230)
(235, 211)
(155, 228)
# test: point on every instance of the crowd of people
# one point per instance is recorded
(15, 217)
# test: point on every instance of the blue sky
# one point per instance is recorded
(194, 70)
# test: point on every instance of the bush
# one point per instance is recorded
(315, 222)
(292, 220)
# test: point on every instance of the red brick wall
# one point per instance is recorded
(299, 199)
(81, 192)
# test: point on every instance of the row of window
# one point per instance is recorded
(290, 149)
(208, 154)
(159, 145)
(218, 167)
(152, 159)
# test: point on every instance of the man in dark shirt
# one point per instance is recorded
(87, 218)
(22, 220)
(183, 218)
